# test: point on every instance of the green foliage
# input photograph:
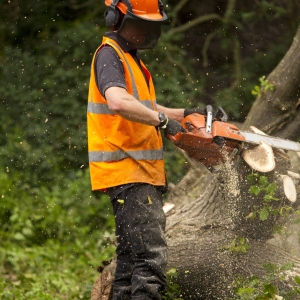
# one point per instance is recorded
(297, 287)
(172, 291)
(44, 102)
(176, 84)
(263, 10)
(52, 240)
(57, 212)
(237, 246)
(264, 87)
(261, 186)
(267, 287)
(175, 163)
(51, 271)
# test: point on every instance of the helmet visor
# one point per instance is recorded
(140, 33)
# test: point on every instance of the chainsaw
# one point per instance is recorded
(211, 141)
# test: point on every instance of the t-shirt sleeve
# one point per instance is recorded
(108, 70)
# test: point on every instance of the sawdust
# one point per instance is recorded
(231, 188)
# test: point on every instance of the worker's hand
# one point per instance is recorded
(173, 127)
(198, 110)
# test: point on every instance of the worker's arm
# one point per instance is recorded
(173, 113)
(129, 108)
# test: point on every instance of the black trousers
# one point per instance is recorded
(142, 248)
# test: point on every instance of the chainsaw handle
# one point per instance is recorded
(220, 114)
(209, 118)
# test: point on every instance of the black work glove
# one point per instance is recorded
(198, 110)
(173, 127)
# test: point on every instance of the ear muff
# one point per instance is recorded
(112, 16)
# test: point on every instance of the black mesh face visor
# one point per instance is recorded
(140, 33)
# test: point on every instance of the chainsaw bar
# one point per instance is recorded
(255, 138)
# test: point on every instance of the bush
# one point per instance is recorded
(52, 240)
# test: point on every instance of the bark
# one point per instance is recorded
(277, 112)
(202, 236)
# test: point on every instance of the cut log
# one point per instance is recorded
(168, 207)
(289, 188)
(295, 176)
(295, 161)
(260, 158)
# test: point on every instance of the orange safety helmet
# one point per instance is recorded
(147, 10)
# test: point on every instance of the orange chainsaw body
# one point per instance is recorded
(208, 148)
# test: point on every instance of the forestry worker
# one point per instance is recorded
(125, 144)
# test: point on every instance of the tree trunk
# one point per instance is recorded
(207, 235)
(277, 111)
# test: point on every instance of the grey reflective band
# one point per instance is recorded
(107, 156)
(99, 108)
(147, 103)
(134, 88)
(102, 108)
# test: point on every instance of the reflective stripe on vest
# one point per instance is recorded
(101, 108)
(105, 156)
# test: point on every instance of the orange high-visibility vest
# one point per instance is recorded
(122, 151)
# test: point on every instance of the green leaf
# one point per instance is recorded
(255, 90)
(245, 291)
(271, 188)
(262, 79)
(263, 214)
(268, 198)
(297, 280)
(287, 266)
(263, 180)
(270, 268)
(254, 190)
(172, 271)
(284, 209)
(251, 178)
(27, 231)
(14, 217)
(269, 290)
(19, 236)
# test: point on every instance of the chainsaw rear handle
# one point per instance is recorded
(220, 115)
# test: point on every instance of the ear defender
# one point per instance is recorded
(111, 17)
